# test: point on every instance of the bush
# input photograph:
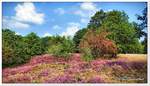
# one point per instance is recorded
(63, 49)
(87, 56)
(98, 44)
(10, 45)
(17, 49)
(7, 56)
(33, 44)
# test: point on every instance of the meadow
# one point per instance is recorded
(126, 68)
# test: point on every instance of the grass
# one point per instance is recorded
(134, 57)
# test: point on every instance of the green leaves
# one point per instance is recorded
(97, 20)
(143, 25)
(17, 49)
(33, 44)
(78, 36)
(63, 48)
(122, 31)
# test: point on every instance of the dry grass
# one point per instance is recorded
(134, 57)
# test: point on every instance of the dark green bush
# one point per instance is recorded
(78, 36)
(63, 49)
(17, 49)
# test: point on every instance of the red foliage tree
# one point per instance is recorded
(99, 45)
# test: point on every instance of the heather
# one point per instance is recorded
(48, 69)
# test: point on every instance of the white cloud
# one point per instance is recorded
(84, 20)
(17, 33)
(47, 34)
(88, 6)
(86, 11)
(26, 12)
(80, 13)
(72, 28)
(11, 23)
(60, 11)
(74, 24)
(56, 27)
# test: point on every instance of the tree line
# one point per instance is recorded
(126, 35)
(106, 33)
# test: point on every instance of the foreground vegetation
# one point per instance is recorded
(48, 69)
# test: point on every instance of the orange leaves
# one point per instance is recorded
(98, 43)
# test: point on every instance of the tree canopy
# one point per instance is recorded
(123, 33)
(143, 25)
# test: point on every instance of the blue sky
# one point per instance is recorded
(59, 18)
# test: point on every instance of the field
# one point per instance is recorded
(126, 68)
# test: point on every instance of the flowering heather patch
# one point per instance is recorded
(48, 69)
(98, 64)
(137, 65)
(18, 78)
(42, 59)
(96, 80)
(121, 63)
(44, 73)
(13, 71)
(62, 79)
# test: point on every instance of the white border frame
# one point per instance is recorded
(107, 84)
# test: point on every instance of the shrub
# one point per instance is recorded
(17, 49)
(7, 54)
(63, 49)
(33, 44)
(98, 44)
(10, 48)
(87, 56)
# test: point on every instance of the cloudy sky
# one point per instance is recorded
(58, 18)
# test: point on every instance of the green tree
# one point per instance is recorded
(78, 36)
(62, 48)
(45, 43)
(122, 31)
(97, 20)
(33, 44)
(143, 18)
(139, 31)
(12, 48)
(143, 25)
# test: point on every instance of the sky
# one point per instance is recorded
(59, 18)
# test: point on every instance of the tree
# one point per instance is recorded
(12, 48)
(143, 18)
(98, 44)
(94, 23)
(62, 48)
(122, 31)
(139, 31)
(7, 56)
(97, 20)
(78, 36)
(19, 49)
(143, 25)
(45, 43)
(33, 44)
